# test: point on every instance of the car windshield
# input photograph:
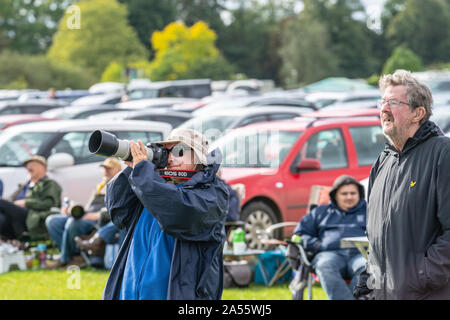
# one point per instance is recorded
(143, 94)
(15, 149)
(256, 149)
(60, 113)
(210, 126)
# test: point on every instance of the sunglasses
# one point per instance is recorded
(179, 150)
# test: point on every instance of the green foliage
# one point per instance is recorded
(373, 80)
(304, 52)
(182, 52)
(113, 72)
(252, 40)
(28, 25)
(147, 16)
(424, 27)
(38, 72)
(352, 42)
(104, 36)
(402, 58)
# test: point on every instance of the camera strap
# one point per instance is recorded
(178, 174)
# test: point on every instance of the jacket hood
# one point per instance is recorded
(427, 130)
(208, 173)
(342, 181)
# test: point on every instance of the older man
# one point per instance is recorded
(408, 215)
(30, 205)
(322, 229)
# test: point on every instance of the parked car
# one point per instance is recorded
(323, 99)
(65, 145)
(78, 112)
(174, 118)
(256, 100)
(34, 106)
(152, 103)
(108, 87)
(197, 89)
(98, 99)
(221, 122)
(64, 95)
(279, 161)
(343, 113)
(441, 116)
(10, 120)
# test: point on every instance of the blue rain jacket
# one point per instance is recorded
(324, 227)
(193, 214)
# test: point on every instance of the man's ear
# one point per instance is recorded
(420, 113)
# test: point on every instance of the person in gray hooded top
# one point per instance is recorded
(408, 213)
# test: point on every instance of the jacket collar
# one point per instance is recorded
(209, 173)
(356, 208)
(427, 130)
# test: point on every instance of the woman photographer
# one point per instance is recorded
(175, 227)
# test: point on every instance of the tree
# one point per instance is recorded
(424, 27)
(402, 58)
(147, 16)
(104, 36)
(30, 24)
(252, 39)
(353, 43)
(181, 49)
(304, 52)
(38, 72)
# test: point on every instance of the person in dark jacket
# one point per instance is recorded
(408, 217)
(322, 229)
(175, 229)
(31, 204)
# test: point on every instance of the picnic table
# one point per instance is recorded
(361, 243)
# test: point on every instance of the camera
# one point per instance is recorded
(106, 144)
(76, 211)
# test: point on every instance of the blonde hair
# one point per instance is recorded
(417, 93)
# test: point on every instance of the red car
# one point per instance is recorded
(9, 120)
(278, 162)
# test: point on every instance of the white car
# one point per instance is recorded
(65, 145)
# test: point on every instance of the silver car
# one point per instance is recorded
(65, 145)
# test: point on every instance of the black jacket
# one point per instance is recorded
(408, 218)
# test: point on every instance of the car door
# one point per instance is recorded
(329, 147)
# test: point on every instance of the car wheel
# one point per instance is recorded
(258, 216)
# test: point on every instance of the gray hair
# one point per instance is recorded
(417, 93)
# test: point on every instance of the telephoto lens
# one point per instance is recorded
(77, 212)
(106, 144)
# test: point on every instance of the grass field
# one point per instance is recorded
(88, 284)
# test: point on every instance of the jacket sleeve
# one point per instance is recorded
(46, 196)
(436, 264)
(307, 230)
(186, 213)
(121, 202)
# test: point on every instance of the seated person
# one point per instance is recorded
(322, 229)
(28, 207)
(63, 228)
(108, 234)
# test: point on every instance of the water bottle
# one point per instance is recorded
(239, 245)
(65, 202)
(42, 253)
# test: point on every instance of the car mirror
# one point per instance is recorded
(60, 160)
(309, 164)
